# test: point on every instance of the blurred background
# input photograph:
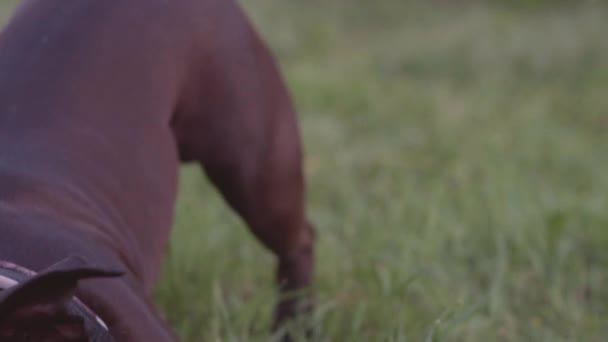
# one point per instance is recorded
(456, 160)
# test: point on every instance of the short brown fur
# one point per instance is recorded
(99, 102)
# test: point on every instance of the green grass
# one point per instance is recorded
(456, 158)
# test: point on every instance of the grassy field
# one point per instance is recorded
(456, 158)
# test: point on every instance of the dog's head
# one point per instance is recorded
(43, 308)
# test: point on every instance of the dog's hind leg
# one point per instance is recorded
(240, 125)
(265, 185)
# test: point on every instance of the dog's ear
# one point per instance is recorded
(41, 300)
(53, 286)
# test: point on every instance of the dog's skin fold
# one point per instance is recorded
(99, 102)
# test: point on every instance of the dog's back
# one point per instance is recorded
(87, 91)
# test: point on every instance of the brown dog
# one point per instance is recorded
(99, 102)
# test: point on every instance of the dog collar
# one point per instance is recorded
(12, 274)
